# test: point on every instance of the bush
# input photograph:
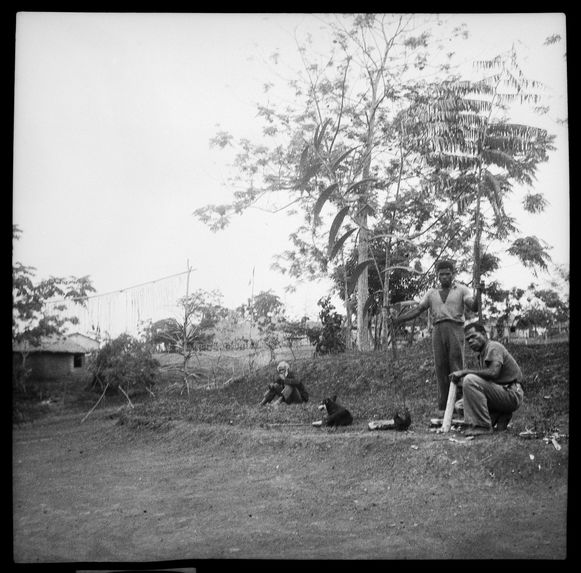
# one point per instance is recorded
(125, 363)
(20, 375)
(329, 339)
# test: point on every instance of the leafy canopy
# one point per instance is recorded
(33, 315)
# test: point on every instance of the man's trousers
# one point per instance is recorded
(448, 347)
(481, 397)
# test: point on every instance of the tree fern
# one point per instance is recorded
(457, 127)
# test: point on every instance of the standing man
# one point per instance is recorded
(446, 305)
(494, 391)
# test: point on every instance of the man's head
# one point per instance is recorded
(475, 335)
(283, 368)
(445, 272)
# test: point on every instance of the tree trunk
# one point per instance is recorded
(389, 331)
(477, 255)
(412, 332)
(362, 286)
(385, 306)
(348, 325)
(21, 376)
(363, 243)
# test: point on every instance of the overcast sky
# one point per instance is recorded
(113, 117)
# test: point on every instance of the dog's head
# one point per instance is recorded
(328, 404)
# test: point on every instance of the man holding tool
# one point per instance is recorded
(492, 392)
(447, 305)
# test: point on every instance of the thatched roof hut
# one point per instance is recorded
(55, 357)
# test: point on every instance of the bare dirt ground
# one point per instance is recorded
(102, 492)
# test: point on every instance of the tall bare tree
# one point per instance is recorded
(330, 146)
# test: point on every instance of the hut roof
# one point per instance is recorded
(57, 344)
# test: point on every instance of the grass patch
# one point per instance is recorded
(372, 385)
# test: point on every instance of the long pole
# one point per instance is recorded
(251, 307)
(185, 340)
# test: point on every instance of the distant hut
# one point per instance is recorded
(55, 357)
(86, 341)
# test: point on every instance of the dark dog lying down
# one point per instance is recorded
(335, 414)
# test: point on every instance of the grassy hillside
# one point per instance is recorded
(372, 385)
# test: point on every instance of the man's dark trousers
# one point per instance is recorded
(448, 347)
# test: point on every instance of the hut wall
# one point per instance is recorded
(52, 365)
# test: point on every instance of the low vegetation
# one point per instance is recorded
(372, 385)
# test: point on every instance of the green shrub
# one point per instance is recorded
(329, 339)
(125, 363)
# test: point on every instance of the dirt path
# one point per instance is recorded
(98, 492)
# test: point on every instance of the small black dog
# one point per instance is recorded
(402, 421)
(336, 415)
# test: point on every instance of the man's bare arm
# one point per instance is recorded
(490, 373)
(410, 315)
(473, 302)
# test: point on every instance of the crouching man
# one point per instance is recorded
(285, 388)
(493, 392)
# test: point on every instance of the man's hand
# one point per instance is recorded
(457, 376)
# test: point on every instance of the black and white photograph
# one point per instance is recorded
(289, 286)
